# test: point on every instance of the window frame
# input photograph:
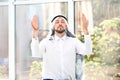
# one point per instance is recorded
(11, 26)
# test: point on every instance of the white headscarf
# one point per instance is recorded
(51, 31)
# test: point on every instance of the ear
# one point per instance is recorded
(66, 26)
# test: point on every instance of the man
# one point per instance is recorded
(59, 48)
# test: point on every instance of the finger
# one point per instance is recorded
(35, 27)
(34, 22)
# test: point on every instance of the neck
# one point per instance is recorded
(60, 35)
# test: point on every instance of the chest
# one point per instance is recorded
(62, 47)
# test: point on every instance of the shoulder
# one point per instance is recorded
(75, 41)
(44, 40)
(47, 39)
(72, 38)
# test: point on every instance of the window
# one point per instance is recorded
(3, 0)
(4, 42)
(16, 32)
(83, 7)
(24, 14)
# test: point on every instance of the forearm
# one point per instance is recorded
(85, 31)
(88, 44)
(35, 34)
(35, 47)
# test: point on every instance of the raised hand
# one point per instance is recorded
(35, 26)
(34, 23)
(85, 24)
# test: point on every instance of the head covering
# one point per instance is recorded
(59, 16)
(52, 32)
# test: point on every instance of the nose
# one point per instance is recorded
(60, 23)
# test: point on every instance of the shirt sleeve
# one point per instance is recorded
(37, 48)
(84, 48)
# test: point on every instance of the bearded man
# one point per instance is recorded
(59, 49)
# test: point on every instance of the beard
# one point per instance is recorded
(60, 31)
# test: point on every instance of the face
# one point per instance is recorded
(60, 25)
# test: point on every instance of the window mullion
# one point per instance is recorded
(11, 38)
(37, 2)
(3, 3)
(71, 15)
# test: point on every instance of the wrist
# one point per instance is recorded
(35, 34)
(86, 32)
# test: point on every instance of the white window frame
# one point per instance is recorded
(11, 26)
(11, 34)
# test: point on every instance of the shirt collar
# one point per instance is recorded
(63, 38)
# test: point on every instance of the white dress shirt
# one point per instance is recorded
(59, 55)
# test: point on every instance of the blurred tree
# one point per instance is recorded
(105, 9)
(106, 42)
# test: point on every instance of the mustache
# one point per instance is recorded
(60, 26)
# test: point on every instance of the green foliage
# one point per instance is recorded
(117, 75)
(106, 43)
(111, 24)
(114, 1)
(4, 71)
(106, 49)
(105, 9)
(35, 70)
(80, 37)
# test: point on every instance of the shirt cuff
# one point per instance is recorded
(35, 41)
(87, 37)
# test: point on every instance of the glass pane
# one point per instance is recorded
(27, 67)
(22, 0)
(83, 7)
(104, 64)
(4, 42)
(3, 0)
(28, 0)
